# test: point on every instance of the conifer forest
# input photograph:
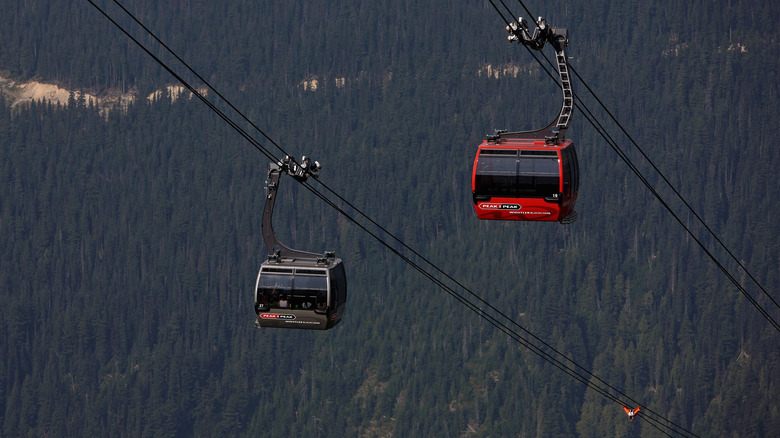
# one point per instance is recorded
(130, 234)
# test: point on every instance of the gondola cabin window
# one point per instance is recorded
(273, 288)
(310, 289)
(305, 289)
(496, 172)
(571, 171)
(537, 174)
(517, 173)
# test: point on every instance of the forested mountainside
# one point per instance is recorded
(130, 243)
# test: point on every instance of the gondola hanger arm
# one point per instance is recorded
(559, 39)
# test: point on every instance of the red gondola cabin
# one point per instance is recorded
(525, 179)
(531, 175)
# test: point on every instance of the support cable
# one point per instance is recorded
(572, 368)
(674, 189)
(200, 78)
(602, 131)
(623, 156)
(592, 119)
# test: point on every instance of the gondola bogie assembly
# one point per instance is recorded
(530, 175)
(296, 289)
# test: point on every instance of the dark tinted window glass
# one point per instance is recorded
(342, 277)
(273, 288)
(504, 173)
(496, 164)
(307, 290)
(334, 288)
(538, 166)
(320, 272)
(276, 281)
(537, 176)
(567, 177)
(575, 168)
(305, 282)
(529, 153)
(496, 173)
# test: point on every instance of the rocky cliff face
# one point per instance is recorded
(17, 93)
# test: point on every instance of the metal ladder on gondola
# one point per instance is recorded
(568, 101)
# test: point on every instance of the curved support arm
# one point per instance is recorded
(559, 39)
(277, 249)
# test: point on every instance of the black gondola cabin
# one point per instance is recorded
(296, 289)
(301, 293)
